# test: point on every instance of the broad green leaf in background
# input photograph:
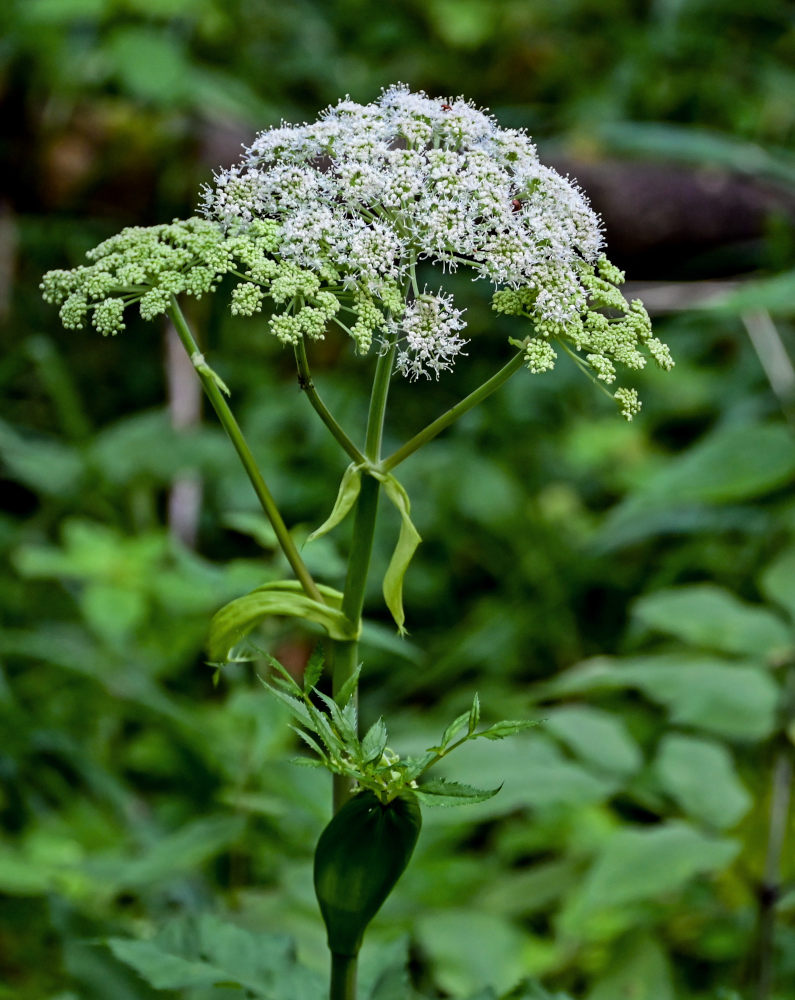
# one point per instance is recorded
(534, 773)
(778, 582)
(640, 971)
(211, 951)
(492, 956)
(718, 696)
(175, 854)
(48, 466)
(708, 616)
(644, 865)
(597, 737)
(699, 775)
(731, 464)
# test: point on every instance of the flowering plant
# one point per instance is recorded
(328, 223)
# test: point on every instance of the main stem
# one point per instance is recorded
(343, 977)
(235, 435)
(346, 654)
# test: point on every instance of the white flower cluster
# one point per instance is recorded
(326, 223)
(428, 334)
(368, 190)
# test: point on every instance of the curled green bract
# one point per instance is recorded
(235, 620)
(408, 539)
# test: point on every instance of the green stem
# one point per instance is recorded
(343, 977)
(450, 416)
(346, 653)
(232, 428)
(308, 387)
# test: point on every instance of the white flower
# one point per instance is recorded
(427, 336)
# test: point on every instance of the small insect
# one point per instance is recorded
(516, 205)
(447, 107)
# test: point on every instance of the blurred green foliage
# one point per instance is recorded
(632, 584)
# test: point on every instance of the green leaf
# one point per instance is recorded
(442, 792)
(508, 727)
(641, 970)
(598, 738)
(699, 775)
(471, 949)
(310, 742)
(645, 864)
(47, 466)
(731, 464)
(413, 767)
(778, 582)
(374, 741)
(708, 616)
(209, 951)
(235, 620)
(350, 487)
(718, 696)
(474, 715)
(314, 668)
(348, 689)
(297, 707)
(408, 540)
(454, 729)
(180, 852)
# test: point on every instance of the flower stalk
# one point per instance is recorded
(211, 384)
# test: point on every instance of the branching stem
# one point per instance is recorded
(210, 383)
(450, 416)
(308, 388)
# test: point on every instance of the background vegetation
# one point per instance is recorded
(632, 584)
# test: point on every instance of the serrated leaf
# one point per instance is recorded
(297, 708)
(307, 762)
(348, 689)
(350, 714)
(350, 487)
(283, 673)
(209, 951)
(310, 742)
(508, 727)
(345, 729)
(314, 668)
(474, 715)
(413, 767)
(374, 741)
(324, 730)
(235, 620)
(454, 729)
(442, 792)
(408, 540)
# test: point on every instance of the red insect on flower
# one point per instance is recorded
(447, 107)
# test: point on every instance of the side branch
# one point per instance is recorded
(213, 388)
(450, 416)
(308, 387)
